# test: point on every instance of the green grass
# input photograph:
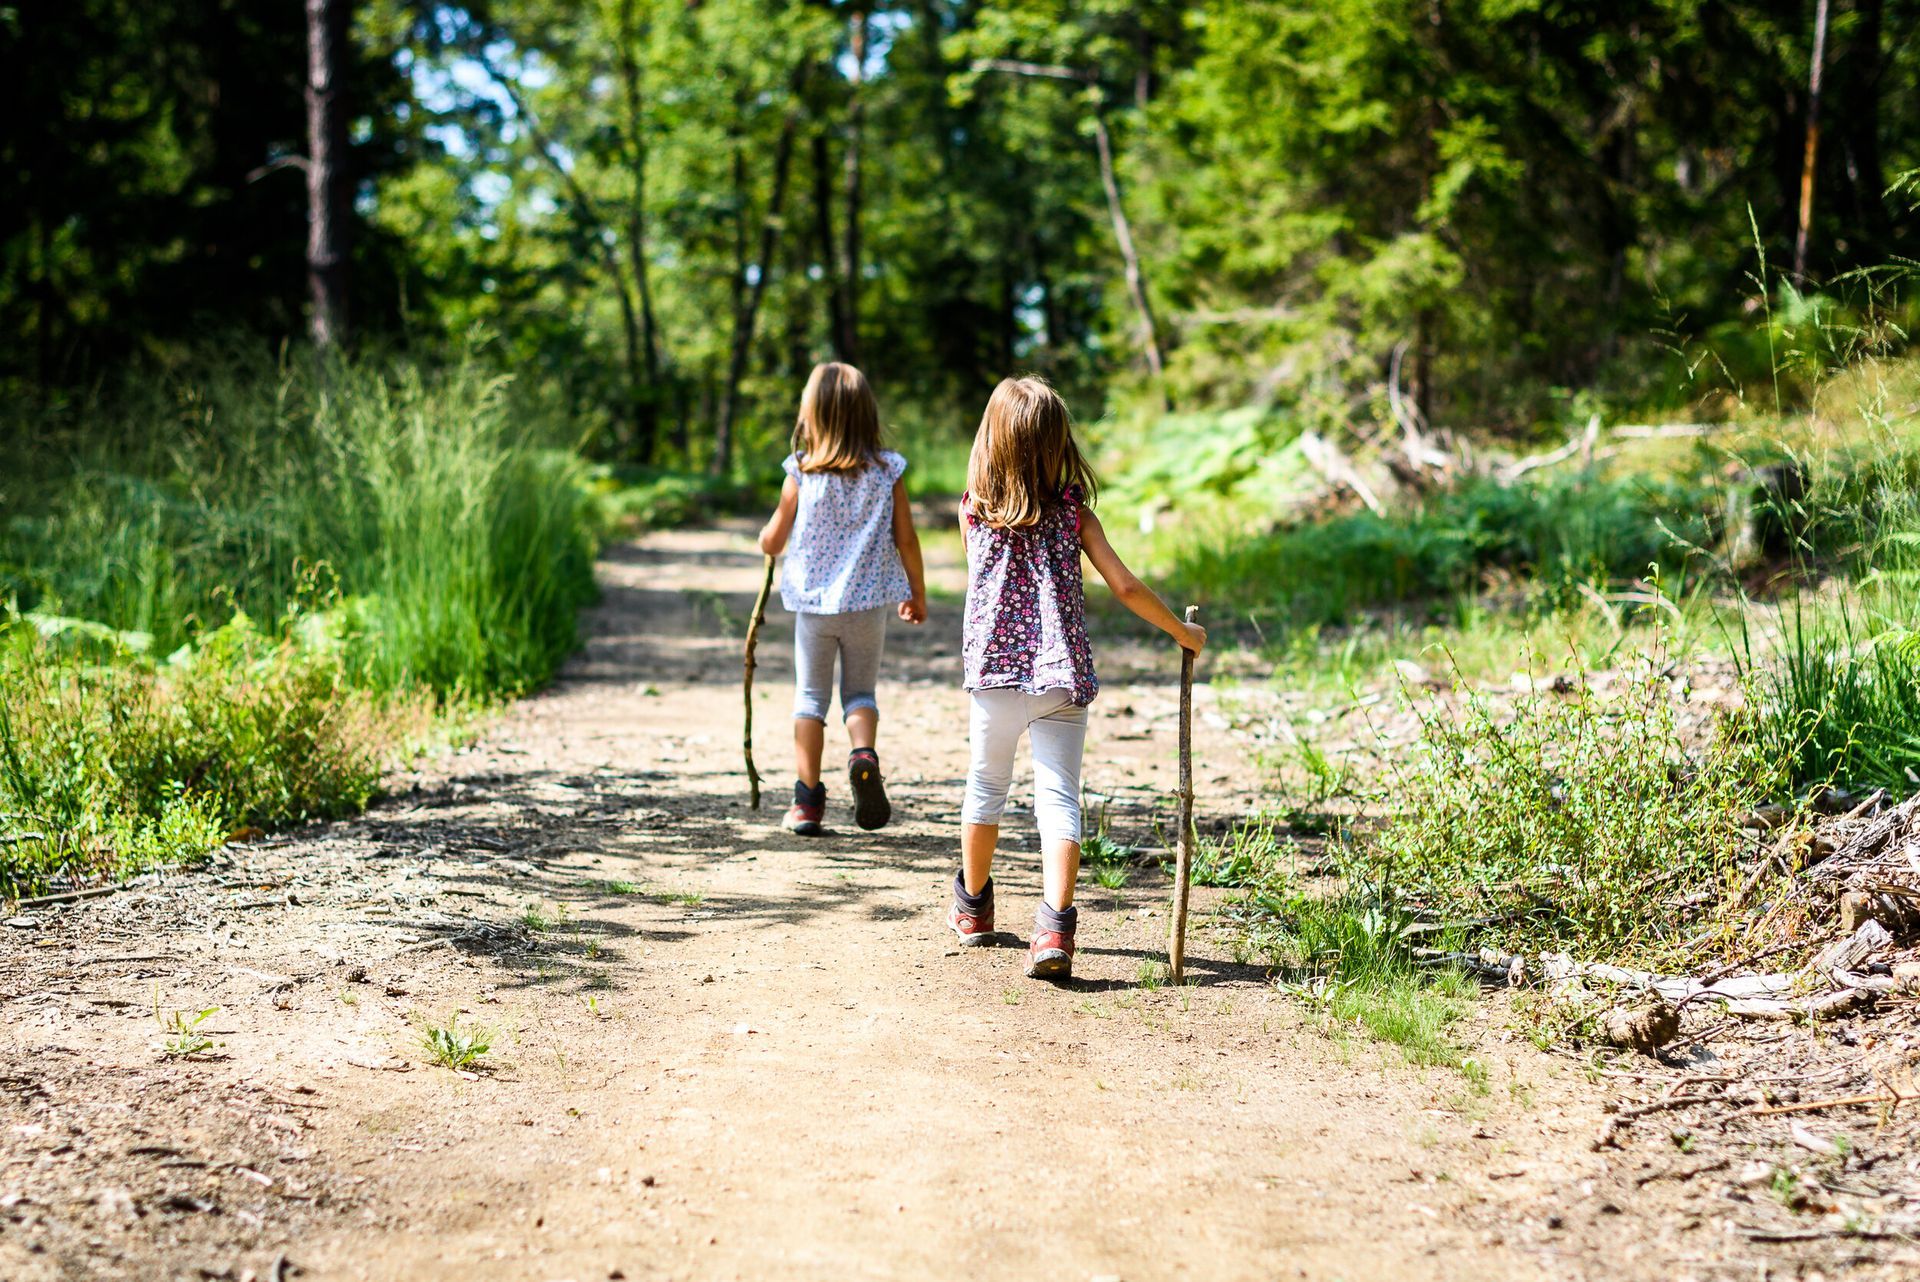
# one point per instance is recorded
(1839, 699)
(1348, 952)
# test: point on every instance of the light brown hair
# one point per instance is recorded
(839, 425)
(1024, 456)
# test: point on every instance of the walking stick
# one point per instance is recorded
(1183, 849)
(746, 684)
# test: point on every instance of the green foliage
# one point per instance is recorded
(367, 534)
(1349, 952)
(1559, 533)
(1569, 820)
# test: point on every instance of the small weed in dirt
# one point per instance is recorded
(1011, 997)
(621, 888)
(1150, 976)
(457, 1048)
(181, 1036)
(1110, 876)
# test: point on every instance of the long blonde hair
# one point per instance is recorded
(838, 429)
(1024, 456)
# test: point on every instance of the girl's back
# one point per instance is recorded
(1026, 626)
(842, 556)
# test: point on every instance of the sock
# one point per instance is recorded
(863, 752)
(972, 903)
(1060, 919)
(805, 796)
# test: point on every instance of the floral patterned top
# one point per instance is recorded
(1026, 622)
(841, 557)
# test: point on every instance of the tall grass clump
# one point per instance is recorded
(456, 541)
(230, 598)
(1840, 699)
(1582, 820)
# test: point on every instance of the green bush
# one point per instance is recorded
(119, 763)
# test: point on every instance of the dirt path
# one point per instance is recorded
(721, 1051)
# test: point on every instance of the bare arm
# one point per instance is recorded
(907, 539)
(774, 534)
(1132, 593)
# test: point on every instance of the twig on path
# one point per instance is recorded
(1848, 1101)
(1613, 1124)
(746, 684)
(1183, 849)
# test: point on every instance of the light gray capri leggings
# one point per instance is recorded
(1058, 728)
(856, 639)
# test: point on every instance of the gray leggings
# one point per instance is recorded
(1057, 729)
(856, 639)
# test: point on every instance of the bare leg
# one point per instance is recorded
(1059, 870)
(863, 728)
(976, 854)
(809, 741)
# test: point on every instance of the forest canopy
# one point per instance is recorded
(661, 212)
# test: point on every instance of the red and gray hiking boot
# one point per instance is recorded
(809, 807)
(971, 916)
(1050, 955)
(871, 809)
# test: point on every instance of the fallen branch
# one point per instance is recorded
(65, 897)
(1581, 445)
(1338, 469)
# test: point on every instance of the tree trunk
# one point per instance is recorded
(327, 28)
(850, 296)
(1811, 155)
(829, 247)
(747, 311)
(1136, 283)
(1865, 64)
(646, 409)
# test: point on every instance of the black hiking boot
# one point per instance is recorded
(871, 809)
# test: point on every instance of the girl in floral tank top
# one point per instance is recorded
(1027, 519)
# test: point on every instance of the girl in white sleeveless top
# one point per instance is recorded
(852, 558)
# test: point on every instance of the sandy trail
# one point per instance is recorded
(721, 1051)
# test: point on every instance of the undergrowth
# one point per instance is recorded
(231, 598)
(1581, 819)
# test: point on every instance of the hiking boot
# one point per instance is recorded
(809, 807)
(871, 809)
(1050, 955)
(974, 925)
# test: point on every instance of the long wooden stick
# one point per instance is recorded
(1183, 850)
(746, 684)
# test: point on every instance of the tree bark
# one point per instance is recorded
(746, 313)
(646, 416)
(829, 247)
(850, 288)
(327, 28)
(1136, 283)
(1812, 153)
